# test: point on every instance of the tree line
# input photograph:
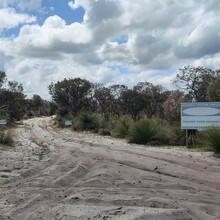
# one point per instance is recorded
(143, 99)
(14, 105)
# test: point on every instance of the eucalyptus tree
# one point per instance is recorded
(12, 97)
(71, 95)
(194, 81)
(154, 97)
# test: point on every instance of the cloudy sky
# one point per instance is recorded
(106, 41)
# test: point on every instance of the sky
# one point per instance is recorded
(106, 41)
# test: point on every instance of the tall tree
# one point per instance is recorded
(154, 98)
(133, 103)
(71, 95)
(171, 107)
(195, 81)
(12, 97)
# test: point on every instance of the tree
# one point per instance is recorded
(133, 103)
(12, 97)
(171, 107)
(214, 90)
(195, 81)
(36, 106)
(104, 99)
(71, 95)
(154, 98)
(116, 92)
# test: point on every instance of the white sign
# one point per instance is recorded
(68, 122)
(200, 115)
(3, 121)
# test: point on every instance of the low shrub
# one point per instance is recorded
(149, 131)
(6, 138)
(86, 121)
(214, 138)
(60, 120)
(122, 127)
(104, 132)
(164, 133)
(143, 132)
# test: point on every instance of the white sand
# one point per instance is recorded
(85, 176)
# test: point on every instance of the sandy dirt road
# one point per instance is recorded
(59, 174)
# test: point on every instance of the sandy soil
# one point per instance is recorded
(59, 174)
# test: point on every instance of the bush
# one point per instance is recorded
(143, 132)
(86, 121)
(149, 131)
(60, 120)
(164, 132)
(122, 127)
(214, 138)
(104, 132)
(6, 138)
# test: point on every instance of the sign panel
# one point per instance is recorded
(3, 121)
(68, 123)
(200, 115)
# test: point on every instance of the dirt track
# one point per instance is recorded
(82, 176)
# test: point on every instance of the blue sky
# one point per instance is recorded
(106, 41)
(62, 9)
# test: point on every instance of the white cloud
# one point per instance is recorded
(9, 18)
(21, 4)
(159, 35)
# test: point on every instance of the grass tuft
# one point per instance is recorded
(214, 138)
(122, 127)
(143, 132)
(86, 121)
(6, 138)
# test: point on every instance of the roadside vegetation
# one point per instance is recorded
(145, 114)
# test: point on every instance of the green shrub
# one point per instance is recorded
(149, 131)
(165, 133)
(104, 132)
(143, 132)
(86, 121)
(60, 120)
(214, 138)
(6, 138)
(122, 127)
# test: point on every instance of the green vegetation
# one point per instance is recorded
(122, 127)
(143, 132)
(6, 138)
(86, 121)
(6, 171)
(214, 138)
(149, 131)
(145, 113)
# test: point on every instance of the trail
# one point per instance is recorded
(60, 174)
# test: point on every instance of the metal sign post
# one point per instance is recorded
(187, 138)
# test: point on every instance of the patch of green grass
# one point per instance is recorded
(200, 148)
(6, 171)
(4, 147)
(4, 176)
